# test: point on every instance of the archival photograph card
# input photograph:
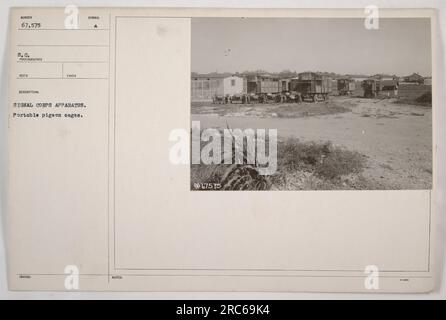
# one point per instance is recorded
(172, 149)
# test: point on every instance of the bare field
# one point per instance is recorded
(270, 110)
(395, 139)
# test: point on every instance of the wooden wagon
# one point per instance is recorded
(311, 86)
(346, 86)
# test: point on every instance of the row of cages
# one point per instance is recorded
(313, 90)
(258, 89)
(282, 97)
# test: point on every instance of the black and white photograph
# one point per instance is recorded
(311, 104)
(234, 152)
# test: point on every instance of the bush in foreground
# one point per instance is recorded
(322, 159)
(301, 166)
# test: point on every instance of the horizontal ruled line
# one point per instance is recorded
(41, 29)
(225, 275)
(63, 45)
(62, 78)
(62, 61)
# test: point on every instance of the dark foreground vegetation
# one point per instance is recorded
(300, 166)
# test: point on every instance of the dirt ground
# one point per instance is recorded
(396, 138)
(270, 110)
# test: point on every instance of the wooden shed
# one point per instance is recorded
(208, 86)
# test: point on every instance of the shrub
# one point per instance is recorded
(295, 155)
(427, 97)
(340, 162)
(323, 159)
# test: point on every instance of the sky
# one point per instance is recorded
(400, 46)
